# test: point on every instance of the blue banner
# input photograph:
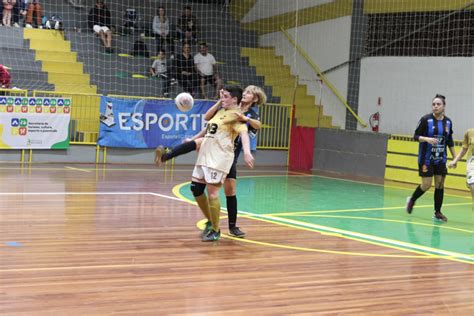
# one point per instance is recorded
(148, 123)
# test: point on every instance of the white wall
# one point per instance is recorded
(407, 86)
(327, 44)
(267, 8)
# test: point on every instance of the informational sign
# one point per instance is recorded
(148, 123)
(34, 122)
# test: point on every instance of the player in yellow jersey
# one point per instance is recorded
(467, 147)
(216, 156)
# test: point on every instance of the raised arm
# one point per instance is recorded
(212, 111)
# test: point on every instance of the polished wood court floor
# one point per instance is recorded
(117, 240)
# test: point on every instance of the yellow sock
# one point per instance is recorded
(215, 207)
(203, 204)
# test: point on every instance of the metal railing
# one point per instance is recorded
(322, 76)
(85, 114)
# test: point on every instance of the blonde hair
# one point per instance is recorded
(259, 93)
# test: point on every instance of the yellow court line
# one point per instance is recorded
(200, 225)
(359, 209)
(323, 232)
(385, 242)
(442, 253)
(393, 221)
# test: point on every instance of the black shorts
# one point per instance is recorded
(431, 170)
(208, 79)
(233, 171)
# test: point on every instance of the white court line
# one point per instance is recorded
(78, 169)
(274, 219)
(90, 193)
(362, 236)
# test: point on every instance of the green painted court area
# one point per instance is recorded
(367, 212)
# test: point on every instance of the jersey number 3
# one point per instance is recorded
(212, 128)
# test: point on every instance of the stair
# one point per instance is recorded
(278, 76)
(64, 72)
(68, 77)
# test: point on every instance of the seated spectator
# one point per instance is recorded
(7, 12)
(34, 9)
(19, 10)
(99, 22)
(185, 71)
(140, 49)
(206, 67)
(187, 26)
(161, 30)
(159, 69)
(4, 79)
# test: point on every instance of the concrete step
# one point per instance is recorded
(56, 56)
(63, 67)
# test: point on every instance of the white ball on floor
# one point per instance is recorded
(184, 101)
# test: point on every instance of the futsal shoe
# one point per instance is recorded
(409, 205)
(212, 236)
(159, 152)
(236, 232)
(438, 216)
(206, 229)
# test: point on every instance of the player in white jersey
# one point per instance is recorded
(467, 147)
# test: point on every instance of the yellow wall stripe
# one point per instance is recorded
(384, 6)
(337, 9)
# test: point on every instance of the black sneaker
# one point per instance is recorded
(236, 232)
(409, 205)
(159, 152)
(438, 216)
(212, 236)
(207, 229)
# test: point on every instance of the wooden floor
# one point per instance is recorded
(81, 240)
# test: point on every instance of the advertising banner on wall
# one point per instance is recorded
(148, 123)
(34, 123)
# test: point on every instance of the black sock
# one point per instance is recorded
(418, 192)
(179, 150)
(438, 199)
(232, 210)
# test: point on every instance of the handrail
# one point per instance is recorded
(322, 76)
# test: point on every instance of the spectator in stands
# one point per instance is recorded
(160, 70)
(185, 71)
(19, 10)
(4, 79)
(206, 67)
(188, 26)
(34, 9)
(99, 22)
(7, 12)
(161, 29)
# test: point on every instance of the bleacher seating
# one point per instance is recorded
(15, 53)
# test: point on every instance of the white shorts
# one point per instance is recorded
(209, 175)
(470, 172)
(98, 28)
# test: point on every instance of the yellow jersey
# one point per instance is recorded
(468, 143)
(217, 148)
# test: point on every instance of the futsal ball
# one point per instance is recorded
(184, 101)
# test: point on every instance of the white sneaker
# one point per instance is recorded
(28, 26)
(40, 27)
(16, 24)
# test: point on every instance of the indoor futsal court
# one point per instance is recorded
(236, 157)
(88, 240)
